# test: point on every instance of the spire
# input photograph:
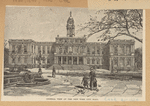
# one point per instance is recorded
(70, 14)
(70, 26)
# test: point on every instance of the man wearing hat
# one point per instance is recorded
(92, 77)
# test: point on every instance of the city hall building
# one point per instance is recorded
(71, 51)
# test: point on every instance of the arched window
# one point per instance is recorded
(128, 49)
(115, 62)
(39, 49)
(93, 50)
(19, 59)
(93, 61)
(19, 49)
(121, 49)
(121, 62)
(88, 50)
(60, 49)
(128, 61)
(98, 61)
(98, 50)
(25, 59)
(43, 49)
(25, 49)
(13, 48)
(116, 49)
(88, 61)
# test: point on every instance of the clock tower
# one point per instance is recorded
(70, 26)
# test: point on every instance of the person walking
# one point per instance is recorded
(54, 72)
(85, 81)
(92, 77)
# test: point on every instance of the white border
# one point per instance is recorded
(92, 99)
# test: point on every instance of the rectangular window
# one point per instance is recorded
(25, 49)
(98, 50)
(44, 61)
(128, 61)
(81, 49)
(64, 60)
(88, 50)
(13, 48)
(13, 59)
(19, 59)
(98, 61)
(93, 50)
(116, 49)
(43, 49)
(48, 60)
(39, 49)
(115, 62)
(32, 48)
(128, 49)
(93, 61)
(25, 59)
(19, 49)
(48, 50)
(121, 49)
(121, 62)
(88, 61)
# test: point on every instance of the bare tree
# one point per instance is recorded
(118, 22)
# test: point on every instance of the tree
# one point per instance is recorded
(138, 58)
(6, 57)
(116, 23)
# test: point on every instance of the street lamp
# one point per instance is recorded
(39, 58)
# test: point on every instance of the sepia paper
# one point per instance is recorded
(53, 27)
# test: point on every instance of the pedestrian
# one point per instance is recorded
(95, 83)
(85, 81)
(54, 72)
(92, 76)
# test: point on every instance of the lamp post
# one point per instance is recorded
(39, 58)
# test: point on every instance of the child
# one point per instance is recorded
(95, 83)
(85, 81)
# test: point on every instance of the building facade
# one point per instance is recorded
(73, 51)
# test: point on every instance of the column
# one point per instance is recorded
(10, 47)
(41, 50)
(95, 49)
(77, 60)
(33, 49)
(28, 48)
(90, 60)
(125, 50)
(118, 61)
(118, 49)
(45, 60)
(85, 50)
(72, 59)
(66, 60)
(110, 65)
(84, 60)
(132, 61)
(61, 60)
(45, 49)
(55, 60)
(132, 48)
(101, 50)
(125, 62)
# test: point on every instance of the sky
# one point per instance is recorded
(43, 24)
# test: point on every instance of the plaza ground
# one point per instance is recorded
(70, 86)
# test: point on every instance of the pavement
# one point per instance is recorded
(70, 86)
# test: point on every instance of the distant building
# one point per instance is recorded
(73, 51)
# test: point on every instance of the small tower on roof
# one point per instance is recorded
(70, 26)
